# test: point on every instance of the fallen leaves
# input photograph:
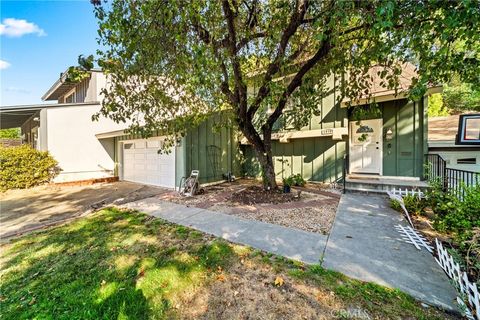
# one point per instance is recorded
(278, 281)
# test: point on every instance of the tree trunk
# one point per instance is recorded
(263, 150)
(268, 170)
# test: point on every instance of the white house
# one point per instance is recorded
(65, 128)
(87, 149)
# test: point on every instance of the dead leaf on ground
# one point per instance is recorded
(221, 277)
(279, 281)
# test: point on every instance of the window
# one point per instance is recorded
(468, 129)
(128, 146)
(467, 161)
(70, 98)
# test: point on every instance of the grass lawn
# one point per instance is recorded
(125, 265)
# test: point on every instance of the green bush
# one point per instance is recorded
(413, 204)
(452, 213)
(24, 167)
(298, 180)
(461, 218)
(288, 181)
(460, 215)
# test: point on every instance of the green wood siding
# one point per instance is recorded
(321, 159)
(213, 152)
(316, 159)
(403, 155)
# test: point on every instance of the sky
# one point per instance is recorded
(38, 41)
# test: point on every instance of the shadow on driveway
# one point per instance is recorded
(29, 209)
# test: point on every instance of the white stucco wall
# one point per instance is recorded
(72, 142)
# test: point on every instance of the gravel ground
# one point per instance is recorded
(313, 211)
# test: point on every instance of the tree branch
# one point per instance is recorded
(240, 93)
(274, 66)
(296, 82)
(243, 42)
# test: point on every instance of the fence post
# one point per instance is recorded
(445, 177)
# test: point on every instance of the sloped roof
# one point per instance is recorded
(442, 128)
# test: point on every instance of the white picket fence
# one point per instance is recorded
(468, 289)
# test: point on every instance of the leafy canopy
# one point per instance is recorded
(12, 133)
(164, 57)
(173, 62)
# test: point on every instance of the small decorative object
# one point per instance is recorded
(287, 184)
(389, 134)
(363, 137)
(364, 129)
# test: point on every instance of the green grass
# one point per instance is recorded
(126, 265)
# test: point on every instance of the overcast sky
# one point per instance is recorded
(38, 41)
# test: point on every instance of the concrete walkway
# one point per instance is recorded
(363, 243)
(291, 243)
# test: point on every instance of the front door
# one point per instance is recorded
(366, 146)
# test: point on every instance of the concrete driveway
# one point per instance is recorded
(25, 210)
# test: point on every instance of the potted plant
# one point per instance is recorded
(298, 180)
(287, 183)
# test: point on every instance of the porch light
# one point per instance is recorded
(389, 134)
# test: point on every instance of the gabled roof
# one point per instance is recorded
(380, 92)
(60, 87)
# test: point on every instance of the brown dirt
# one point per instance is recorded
(247, 290)
(250, 293)
(313, 209)
(256, 195)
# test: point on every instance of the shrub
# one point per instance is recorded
(413, 204)
(24, 167)
(454, 214)
(288, 181)
(298, 180)
(461, 218)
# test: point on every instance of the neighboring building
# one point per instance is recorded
(442, 133)
(10, 142)
(65, 128)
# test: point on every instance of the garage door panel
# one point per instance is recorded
(143, 164)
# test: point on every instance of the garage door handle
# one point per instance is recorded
(377, 147)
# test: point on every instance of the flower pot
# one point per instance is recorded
(286, 189)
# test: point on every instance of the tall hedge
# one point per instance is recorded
(24, 167)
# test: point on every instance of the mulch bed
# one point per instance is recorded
(311, 208)
(256, 195)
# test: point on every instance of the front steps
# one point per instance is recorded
(381, 184)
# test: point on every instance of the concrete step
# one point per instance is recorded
(380, 184)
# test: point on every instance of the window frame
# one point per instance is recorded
(462, 120)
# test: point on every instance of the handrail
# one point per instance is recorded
(345, 171)
(452, 179)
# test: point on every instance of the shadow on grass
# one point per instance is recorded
(114, 264)
(125, 265)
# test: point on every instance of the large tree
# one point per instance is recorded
(173, 62)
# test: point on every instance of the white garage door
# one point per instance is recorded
(142, 163)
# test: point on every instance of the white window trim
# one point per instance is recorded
(69, 93)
